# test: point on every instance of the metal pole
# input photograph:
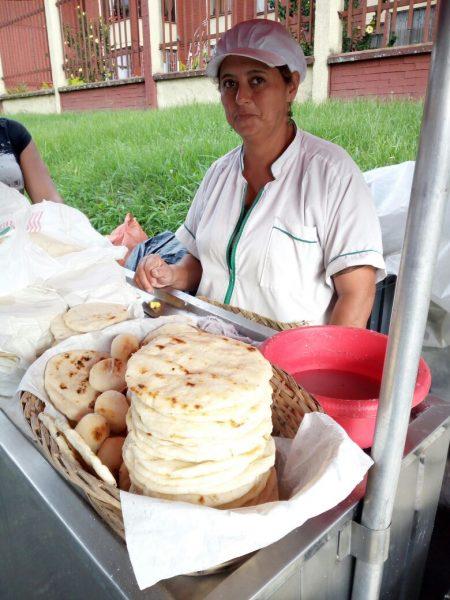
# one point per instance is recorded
(430, 190)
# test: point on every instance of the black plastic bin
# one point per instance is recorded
(382, 307)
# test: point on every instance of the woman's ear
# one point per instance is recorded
(293, 85)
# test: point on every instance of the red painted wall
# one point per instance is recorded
(393, 77)
(107, 98)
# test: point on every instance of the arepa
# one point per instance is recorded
(94, 316)
(200, 418)
(66, 381)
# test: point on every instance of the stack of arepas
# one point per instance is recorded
(199, 426)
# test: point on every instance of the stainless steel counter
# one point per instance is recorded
(54, 546)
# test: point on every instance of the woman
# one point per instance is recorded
(284, 225)
(21, 166)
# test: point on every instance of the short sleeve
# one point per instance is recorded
(187, 232)
(19, 137)
(352, 231)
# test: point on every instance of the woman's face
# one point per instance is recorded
(255, 97)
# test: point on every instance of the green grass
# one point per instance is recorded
(151, 162)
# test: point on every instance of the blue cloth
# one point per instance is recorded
(164, 244)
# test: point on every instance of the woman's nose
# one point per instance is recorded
(243, 94)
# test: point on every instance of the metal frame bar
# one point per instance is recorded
(430, 191)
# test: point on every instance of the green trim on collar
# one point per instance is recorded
(295, 237)
(188, 230)
(5, 230)
(355, 252)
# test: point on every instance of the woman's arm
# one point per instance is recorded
(38, 183)
(154, 272)
(355, 288)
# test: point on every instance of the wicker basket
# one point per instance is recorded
(277, 325)
(290, 403)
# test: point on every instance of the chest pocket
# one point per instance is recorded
(293, 258)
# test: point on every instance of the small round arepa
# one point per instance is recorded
(114, 407)
(110, 453)
(124, 478)
(109, 374)
(94, 430)
(124, 345)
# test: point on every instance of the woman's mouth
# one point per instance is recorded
(244, 116)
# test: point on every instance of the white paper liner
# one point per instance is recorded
(164, 539)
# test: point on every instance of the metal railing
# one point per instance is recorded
(24, 46)
(101, 41)
(370, 24)
(191, 28)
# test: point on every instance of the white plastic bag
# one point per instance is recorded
(24, 331)
(50, 258)
(23, 262)
(68, 225)
(391, 191)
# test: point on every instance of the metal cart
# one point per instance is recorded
(53, 545)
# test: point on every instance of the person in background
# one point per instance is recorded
(284, 225)
(21, 165)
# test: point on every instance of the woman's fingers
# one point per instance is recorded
(161, 276)
(152, 272)
(142, 277)
(141, 281)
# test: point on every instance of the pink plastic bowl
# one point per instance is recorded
(341, 349)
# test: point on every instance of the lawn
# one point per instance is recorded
(151, 162)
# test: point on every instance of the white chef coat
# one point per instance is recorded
(313, 220)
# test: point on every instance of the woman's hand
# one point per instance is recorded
(153, 272)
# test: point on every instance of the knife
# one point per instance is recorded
(191, 304)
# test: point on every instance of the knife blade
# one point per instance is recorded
(169, 298)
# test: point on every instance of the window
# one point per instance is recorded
(169, 11)
(415, 35)
(121, 8)
(260, 6)
(221, 6)
(123, 67)
(171, 61)
(402, 36)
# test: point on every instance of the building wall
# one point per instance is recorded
(175, 90)
(104, 98)
(43, 104)
(388, 76)
(305, 89)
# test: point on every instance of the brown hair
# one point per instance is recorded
(285, 73)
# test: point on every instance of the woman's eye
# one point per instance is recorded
(228, 84)
(257, 80)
